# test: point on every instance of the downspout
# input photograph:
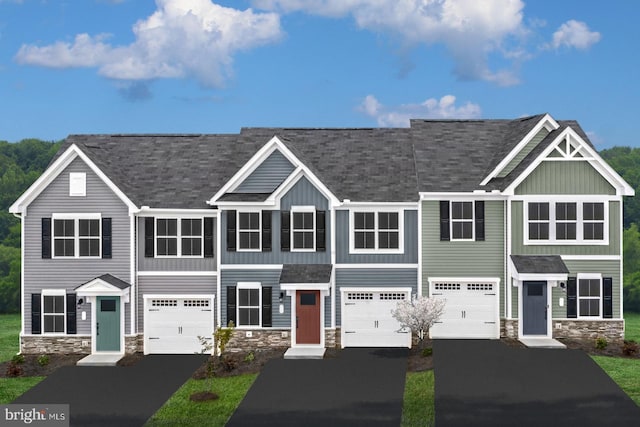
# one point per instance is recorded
(22, 295)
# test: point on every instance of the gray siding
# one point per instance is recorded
(302, 194)
(268, 176)
(173, 285)
(524, 152)
(266, 278)
(373, 278)
(174, 264)
(463, 259)
(565, 177)
(70, 273)
(519, 248)
(410, 254)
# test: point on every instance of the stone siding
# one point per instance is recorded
(70, 344)
(612, 330)
(261, 339)
(509, 328)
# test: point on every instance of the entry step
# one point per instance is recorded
(100, 360)
(542, 342)
(304, 353)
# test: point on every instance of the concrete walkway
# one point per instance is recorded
(487, 383)
(115, 396)
(361, 387)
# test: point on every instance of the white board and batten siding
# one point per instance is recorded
(471, 308)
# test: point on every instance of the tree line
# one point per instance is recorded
(22, 163)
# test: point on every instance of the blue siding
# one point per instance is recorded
(409, 256)
(374, 278)
(268, 176)
(302, 194)
(266, 278)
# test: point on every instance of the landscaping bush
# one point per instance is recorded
(14, 369)
(630, 348)
(18, 359)
(601, 343)
(43, 360)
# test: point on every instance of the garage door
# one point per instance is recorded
(172, 325)
(367, 320)
(471, 310)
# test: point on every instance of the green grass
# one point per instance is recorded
(632, 326)
(10, 388)
(625, 372)
(418, 408)
(9, 336)
(179, 410)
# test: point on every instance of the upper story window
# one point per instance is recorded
(76, 236)
(249, 231)
(566, 222)
(374, 231)
(179, 237)
(303, 231)
(461, 220)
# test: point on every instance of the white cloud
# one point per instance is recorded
(182, 38)
(595, 139)
(432, 108)
(574, 34)
(470, 29)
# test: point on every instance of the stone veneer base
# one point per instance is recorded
(611, 329)
(71, 344)
(268, 338)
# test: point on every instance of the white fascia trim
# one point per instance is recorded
(547, 122)
(420, 242)
(132, 272)
(621, 186)
(53, 171)
(539, 276)
(591, 258)
(589, 276)
(463, 196)
(22, 293)
(250, 266)
(566, 198)
(245, 205)
(296, 175)
(177, 273)
(305, 286)
(378, 205)
(146, 211)
(369, 266)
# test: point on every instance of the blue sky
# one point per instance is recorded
(201, 66)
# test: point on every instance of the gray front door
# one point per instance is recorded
(534, 308)
(108, 324)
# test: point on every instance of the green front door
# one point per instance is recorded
(108, 324)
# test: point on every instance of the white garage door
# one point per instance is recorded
(471, 310)
(367, 320)
(172, 325)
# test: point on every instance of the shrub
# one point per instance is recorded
(630, 348)
(250, 357)
(222, 336)
(14, 369)
(43, 360)
(601, 343)
(426, 352)
(229, 363)
(18, 359)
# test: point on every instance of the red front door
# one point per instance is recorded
(308, 317)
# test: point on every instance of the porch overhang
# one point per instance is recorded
(306, 276)
(105, 285)
(538, 267)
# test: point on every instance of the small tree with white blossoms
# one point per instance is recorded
(419, 314)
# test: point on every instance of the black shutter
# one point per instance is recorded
(321, 233)
(36, 313)
(285, 229)
(231, 305)
(444, 220)
(266, 306)
(479, 207)
(46, 237)
(208, 237)
(572, 298)
(266, 231)
(71, 313)
(106, 238)
(231, 231)
(607, 297)
(149, 231)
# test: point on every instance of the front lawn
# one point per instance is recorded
(632, 326)
(625, 372)
(10, 388)
(179, 410)
(418, 408)
(9, 336)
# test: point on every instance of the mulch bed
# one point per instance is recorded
(613, 349)
(31, 367)
(238, 363)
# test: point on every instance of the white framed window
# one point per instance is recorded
(54, 311)
(462, 220)
(376, 231)
(566, 222)
(303, 228)
(179, 237)
(249, 235)
(589, 295)
(249, 298)
(76, 236)
(77, 184)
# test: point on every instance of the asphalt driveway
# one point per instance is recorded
(487, 383)
(115, 396)
(360, 387)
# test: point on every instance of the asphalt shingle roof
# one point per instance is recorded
(540, 264)
(369, 165)
(306, 273)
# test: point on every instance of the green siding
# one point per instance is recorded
(565, 177)
(523, 153)
(514, 299)
(518, 248)
(463, 259)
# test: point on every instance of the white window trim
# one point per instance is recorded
(473, 221)
(49, 293)
(552, 222)
(178, 237)
(302, 209)
(376, 230)
(248, 285)
(77, 184)
(76, 230)
(238, 230)
(579, 277)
